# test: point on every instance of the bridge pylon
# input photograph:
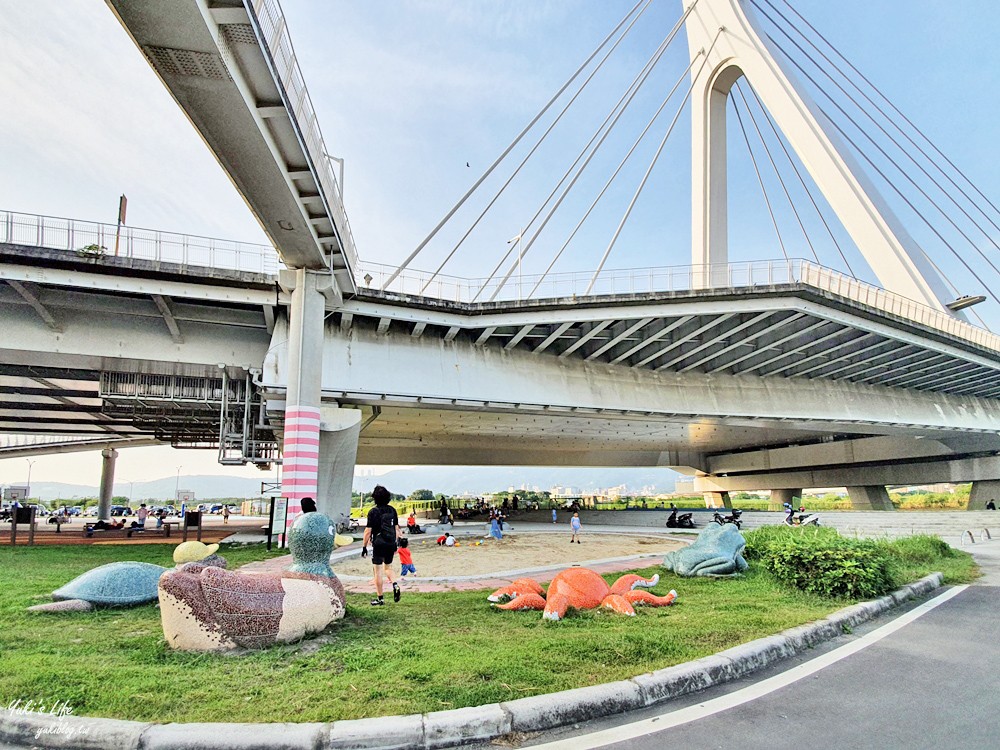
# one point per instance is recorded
(727, 32)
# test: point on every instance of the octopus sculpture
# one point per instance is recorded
(579, 588)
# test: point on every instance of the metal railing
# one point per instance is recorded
(274, 33)
(189, 250)
(749, 274)
(93, 240)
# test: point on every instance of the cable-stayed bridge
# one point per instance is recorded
(772, 374)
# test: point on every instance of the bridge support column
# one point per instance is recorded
(109, 456)
(780, 497)
(301, 443)
(338, 451)
(718, 500)
(982, 492)
(870, 497)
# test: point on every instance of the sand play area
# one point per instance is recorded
(513, 552)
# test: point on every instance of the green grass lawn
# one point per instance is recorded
(427, 653)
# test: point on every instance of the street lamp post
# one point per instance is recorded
(177, 484)
(28, 491)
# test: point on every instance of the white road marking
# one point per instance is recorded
(681, 716)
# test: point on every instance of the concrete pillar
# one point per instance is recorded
(870, 497)
(982, 492)
(107, 483)
(338, 450)
(718, 500)
(780, 497)
(300, 444)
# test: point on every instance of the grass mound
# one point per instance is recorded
(819, 560)
(429, 652)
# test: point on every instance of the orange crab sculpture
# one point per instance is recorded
(579, 588)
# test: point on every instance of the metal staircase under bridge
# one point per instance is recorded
(226, 412)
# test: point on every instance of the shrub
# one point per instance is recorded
(820, 561)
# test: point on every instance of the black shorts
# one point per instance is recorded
(383, 553)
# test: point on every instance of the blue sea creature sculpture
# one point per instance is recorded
(718, 551)
(117, 584)
(126, 584)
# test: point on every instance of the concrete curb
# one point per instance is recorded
(459, 726)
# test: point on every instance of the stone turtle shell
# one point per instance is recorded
(117, 584)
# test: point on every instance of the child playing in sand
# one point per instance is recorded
(405, 559)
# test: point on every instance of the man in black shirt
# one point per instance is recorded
(383, 532)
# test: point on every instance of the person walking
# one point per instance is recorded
(141, 515)
(225, 514)
(383, 533)
(574, 527)
(405, 560)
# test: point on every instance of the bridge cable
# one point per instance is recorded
(614, 175)
(892, 120)
(509, 148)
(763, 190)
(538, 143)
(774, 166)
(652, 164)
(802, 181)
(914, 209)
(600, 135)
(893, 185)
(616, 112)
(887, 156)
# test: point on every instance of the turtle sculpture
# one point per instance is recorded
(125, 584)
(209, 609)
(717, 552)
(579, 588)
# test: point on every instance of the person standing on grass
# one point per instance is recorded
(574, 527)
(384, 533)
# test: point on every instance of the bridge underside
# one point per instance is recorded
(782, 386)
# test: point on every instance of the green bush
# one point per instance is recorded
(820, 561)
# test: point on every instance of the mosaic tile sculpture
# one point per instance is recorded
(210, 609)
(717, 552)
(123, 584)
(579, 588)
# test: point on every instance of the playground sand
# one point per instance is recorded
(524, 550)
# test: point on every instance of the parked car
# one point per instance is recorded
(121, 510)
(91, 511)
(215, 509)
(76, 510)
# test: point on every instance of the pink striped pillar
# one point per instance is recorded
(301, 458)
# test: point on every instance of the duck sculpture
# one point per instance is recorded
(126, 583)
(210, 609)
(579, 588)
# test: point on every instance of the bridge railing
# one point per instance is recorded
(748, 274)
(89, 238)
(274, 30)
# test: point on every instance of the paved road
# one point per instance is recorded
(931, 684)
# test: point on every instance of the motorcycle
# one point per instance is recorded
(733, 518)
(682, 521)
(803, 519)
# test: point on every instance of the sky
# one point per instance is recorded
(408, 93)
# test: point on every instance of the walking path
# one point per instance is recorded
(542, 574)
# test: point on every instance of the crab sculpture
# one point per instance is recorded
(579, 588)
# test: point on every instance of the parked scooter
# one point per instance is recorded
(682, 521)
(803, 519)
(733, 518)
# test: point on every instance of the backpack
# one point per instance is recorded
(387, 527)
